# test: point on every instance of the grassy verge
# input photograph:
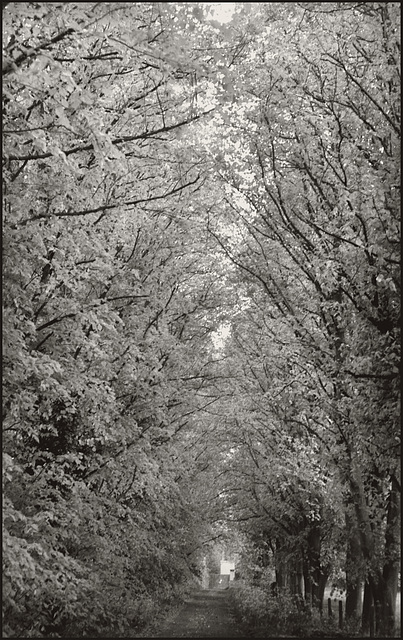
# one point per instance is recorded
(266, 616)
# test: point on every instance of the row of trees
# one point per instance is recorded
(201, 304)
(111, 296)
(311, 181)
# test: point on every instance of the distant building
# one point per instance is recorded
(228, 569)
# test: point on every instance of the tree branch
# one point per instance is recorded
(106, 207)
(115, 141)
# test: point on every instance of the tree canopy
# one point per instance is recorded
(201, 305)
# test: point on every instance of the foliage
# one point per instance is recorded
(200, 305)
(109, 295)
(309, 219)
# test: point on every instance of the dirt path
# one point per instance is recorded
(205, 614)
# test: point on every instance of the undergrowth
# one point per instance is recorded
(265, 615)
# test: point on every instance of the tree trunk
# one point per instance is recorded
(316, 575)
(366, 609)
(322, 586)
(297, 579)
(281, 566)
(381, 585)
(354, 572)
(281, 575)
(354, 600)
(383, 580)
(392, 563)
(307, 585)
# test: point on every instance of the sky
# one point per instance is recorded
(221, 11)
(219, 337)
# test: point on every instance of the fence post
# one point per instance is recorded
(340, 614)
(329, 607)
